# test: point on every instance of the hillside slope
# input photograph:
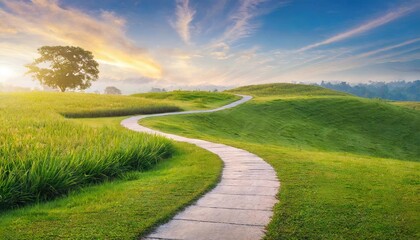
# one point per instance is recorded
(192, 100)
(348, 166)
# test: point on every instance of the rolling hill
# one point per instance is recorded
(348, 165)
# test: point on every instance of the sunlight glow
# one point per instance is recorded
(5, 73)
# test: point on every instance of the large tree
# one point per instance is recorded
(68, 67)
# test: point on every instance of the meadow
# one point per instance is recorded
(44, 155)
(62, 160)
(192, 100)
(125, 208)
(411, 105)
(349, 166)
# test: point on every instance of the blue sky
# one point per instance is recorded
(199, 43)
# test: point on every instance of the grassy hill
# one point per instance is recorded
(411, 105)
(348, 166)
(44, 155)
(190, 100)
(286, 90)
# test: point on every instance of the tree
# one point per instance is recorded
(157, 90)
(69, 67)
(112, 90)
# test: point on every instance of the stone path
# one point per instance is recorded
(238, 208)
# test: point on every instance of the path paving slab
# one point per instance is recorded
(196, 230)
(238, 208)
(220, 215)
(246, 190)
(248, 202)
(256, 183)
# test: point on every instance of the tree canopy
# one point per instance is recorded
(112, 90)
(68, 67)
(397, 90)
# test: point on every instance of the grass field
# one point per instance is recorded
(192, 100)
(128, 206)
(43, 155)
(349, 167)
(411, 105)
(121, 209)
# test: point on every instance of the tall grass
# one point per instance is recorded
(43, 155)
(121, 112)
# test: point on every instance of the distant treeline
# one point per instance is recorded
(398, 90)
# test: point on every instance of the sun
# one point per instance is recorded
(5, 73)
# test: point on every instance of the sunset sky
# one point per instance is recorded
(206, 43)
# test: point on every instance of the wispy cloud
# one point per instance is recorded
(184, 17)
(389, 17)
(370, 53)
(46, 22)
(405, 55)
(214, 52)
(242, 26)
(353, 61)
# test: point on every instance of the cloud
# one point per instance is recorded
(389, 17)
(5, 28)
(184, 17)
(130, 80)
(46, 22)
(242, 26)
(348, 62)
(370, 53)
(217, 54)
(405, 55)
(220, 51)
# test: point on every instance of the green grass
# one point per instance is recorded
(411, 105)
(82, 105)
(121, 209)
(192, 100)
(43, 155)
(348, 166)
(273, 89)
(128, 203)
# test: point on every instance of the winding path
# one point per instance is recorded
(238, 208)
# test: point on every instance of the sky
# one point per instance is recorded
(207, 44)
